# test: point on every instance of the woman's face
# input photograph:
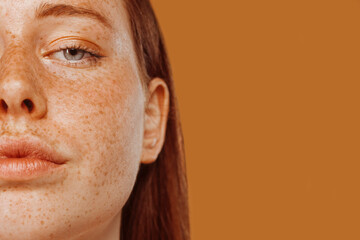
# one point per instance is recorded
(86, 105)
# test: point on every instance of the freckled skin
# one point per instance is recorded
(94, 115)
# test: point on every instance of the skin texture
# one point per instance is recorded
(97, 114)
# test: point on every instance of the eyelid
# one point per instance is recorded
(69, 42)
(59, 45)
(93, 53)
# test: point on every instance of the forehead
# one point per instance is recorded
(17, 12)
(101, 5)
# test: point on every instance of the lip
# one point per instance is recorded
(26, 159)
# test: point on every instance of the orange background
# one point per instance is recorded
(269, 100)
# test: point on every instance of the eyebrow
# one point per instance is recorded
(47, 9)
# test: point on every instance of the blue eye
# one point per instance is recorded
(73, 54)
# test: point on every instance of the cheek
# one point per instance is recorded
(104, 119)
(103, 124)
(100, 111)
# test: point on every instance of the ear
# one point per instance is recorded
(156, 115)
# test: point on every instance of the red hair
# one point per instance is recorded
(158, 205)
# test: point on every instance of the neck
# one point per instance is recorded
(109, 230)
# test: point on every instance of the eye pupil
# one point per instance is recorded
(73, 51)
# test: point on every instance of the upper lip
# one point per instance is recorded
(28, 148)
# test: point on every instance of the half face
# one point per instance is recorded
(69, 82)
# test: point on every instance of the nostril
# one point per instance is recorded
(4, 105)
(29, 104)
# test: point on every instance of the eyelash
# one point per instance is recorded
(88, 62)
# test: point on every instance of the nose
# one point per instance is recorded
(19, 98)
(20, 92)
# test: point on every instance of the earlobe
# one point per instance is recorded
(156, 115)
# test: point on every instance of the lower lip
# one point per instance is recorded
(15, 169)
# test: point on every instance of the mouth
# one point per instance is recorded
(25, 159)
